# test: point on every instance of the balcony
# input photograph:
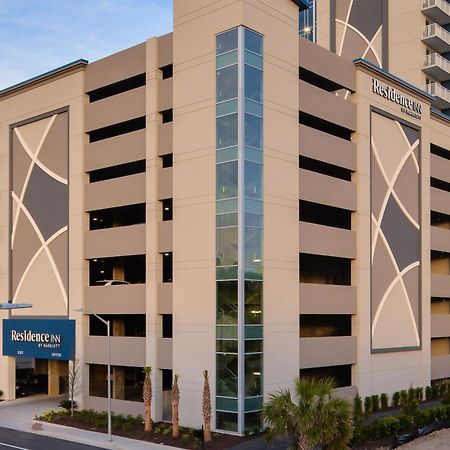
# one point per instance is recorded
(440, 285)
(437, 67)
(441, 94)
(440, 239)
(436, 37)
(125, 351)
(120, 299)
(118, 241)
(440, 367)
(327, 351)
(440, 325)
(327, 299)
(437, 10)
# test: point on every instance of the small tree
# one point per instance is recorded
(357, 408)
(73, 384)
(367, 406)
(175, 406)
(428, 394)
(206, 408)
(314, 417)
(411, 404)
(147, 395)
(396, 399)
(384, 400)
(375, 403)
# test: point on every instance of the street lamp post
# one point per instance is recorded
(108, 333)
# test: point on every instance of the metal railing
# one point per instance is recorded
(438, 90)
(435, 59)
(436, 30)
(441, 4)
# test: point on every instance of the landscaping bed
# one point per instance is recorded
(133, 428)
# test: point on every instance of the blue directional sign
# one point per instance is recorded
(44, 339)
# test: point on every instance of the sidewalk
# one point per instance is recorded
(19, 415)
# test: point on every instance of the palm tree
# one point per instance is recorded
(175, 405)
(314, 418)
(147, 395)
(206, 408)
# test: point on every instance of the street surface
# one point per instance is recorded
(18, 440)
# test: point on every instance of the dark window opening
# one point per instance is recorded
(128, 384)
(167, 264)
(318, 81)
(342, 374)
(121, 170)
(167, 115)
(324, 168)
(117, 129)
(167, 71)
(117, 217)
(167, 209)
(325, 215)
(117, 88)
(167, 378)
(436, 254)
(319, 325)
(117, 270)
(439, 184)
(325, 126)
(167, 160)
(320, 269)
(439, 151)
(130, 325)
(438, 218)
(167, 326)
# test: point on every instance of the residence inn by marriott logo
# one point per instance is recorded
(410, 107)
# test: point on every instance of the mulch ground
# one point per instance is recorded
(161, 434)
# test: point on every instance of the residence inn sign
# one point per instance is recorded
(44, 339)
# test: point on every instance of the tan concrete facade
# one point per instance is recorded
(142, 209)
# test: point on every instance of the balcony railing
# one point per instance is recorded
(436, 37)
(437, 10)
(441, 93)
(436, 66)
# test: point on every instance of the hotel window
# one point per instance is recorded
(308, 22)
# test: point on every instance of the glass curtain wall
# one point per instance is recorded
(308, 21)
(239, 228)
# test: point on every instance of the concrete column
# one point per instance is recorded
(118, 327)
(56, 369)
(118, 383)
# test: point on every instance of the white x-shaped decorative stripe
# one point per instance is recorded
(44, 247)
(390, 190)
(34, 160)
(369, 43)
(398, 279)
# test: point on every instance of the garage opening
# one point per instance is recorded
(40, 376)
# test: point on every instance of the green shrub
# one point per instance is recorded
(435, 391)
(166, 431)
(186, 436)
(419, 394)
(403, 397)
(411, 404)
(67, 404)
(384, 399)
(428, 393)
(405, 422)
(375, 403)
(396, 399)
(446, 397)
(367, 406)
(357, 408)
(380, 428)
(1, 393)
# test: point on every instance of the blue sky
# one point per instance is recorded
(39, 35)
